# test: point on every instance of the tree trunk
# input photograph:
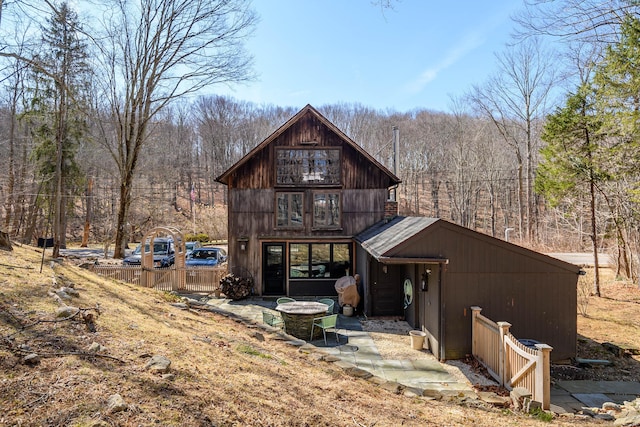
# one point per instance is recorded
(87, 218)
(123, 213)
(594, 239)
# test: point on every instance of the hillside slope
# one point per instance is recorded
(222, 372)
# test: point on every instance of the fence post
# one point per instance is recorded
(475, 311)
(502, 355)
(542, 391)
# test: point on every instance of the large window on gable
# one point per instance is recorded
(326, 210)
(313, 166)
(289, 210)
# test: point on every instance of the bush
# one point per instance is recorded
(199, 237)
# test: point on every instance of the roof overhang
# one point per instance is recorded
(411, 260)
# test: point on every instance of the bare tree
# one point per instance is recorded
(515, 99)
(593, 21)
(153, 53)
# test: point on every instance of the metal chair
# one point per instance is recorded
(324, 323)
(272, 319)
(329, 302)
(282, 300)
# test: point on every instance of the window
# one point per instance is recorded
(319, 260)
(308, 166)
(289, 210)
(326, 210)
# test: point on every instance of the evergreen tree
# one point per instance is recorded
(61, 79)
(617, 87)
(570, 168)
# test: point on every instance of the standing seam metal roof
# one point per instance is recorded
(384, 236)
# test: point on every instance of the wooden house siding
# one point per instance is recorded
(357, 171)
(532, 291)
(253, 187)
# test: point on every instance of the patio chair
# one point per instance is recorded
(272, 319)
(329, 302)
(282, 300)
(324, 323)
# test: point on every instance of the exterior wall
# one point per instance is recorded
(428, 306)
(252, 200)
(534, 293)
(362, 268)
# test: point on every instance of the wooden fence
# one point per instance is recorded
(509, 361)
(198, 279)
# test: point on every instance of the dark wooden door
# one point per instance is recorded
(386, 290)
(273, 269)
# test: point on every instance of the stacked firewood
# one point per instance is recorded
(235, 287)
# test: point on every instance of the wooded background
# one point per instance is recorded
(104, 132)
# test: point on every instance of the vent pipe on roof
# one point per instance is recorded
(396, 150)
(393, 196)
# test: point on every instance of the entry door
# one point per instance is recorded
(273, 269)
(387, 294)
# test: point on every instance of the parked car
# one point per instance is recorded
(190, 246)
(163, 254)
(206, 256)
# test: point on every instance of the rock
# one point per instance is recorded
(611, 406)
(605, 417)
(67, 311)
(493, 399)
(518, 395)
(62, 294)
(589, 412)
(531, 405)
(392, 386)
(158, 364)
(258, 336)
(31, 359)
(627, 421)
(169, 377)
(70, 291)
(24, 347)
(96, 348)
(116, 403)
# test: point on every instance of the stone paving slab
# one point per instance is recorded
(592, 400)
(604, 387)
(357, 351)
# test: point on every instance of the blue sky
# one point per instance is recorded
(417, 55)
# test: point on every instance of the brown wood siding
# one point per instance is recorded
(526, 289)
(357, 171)
(428, 316)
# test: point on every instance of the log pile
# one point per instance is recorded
(235, 287)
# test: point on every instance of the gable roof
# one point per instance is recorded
(383, 237)
(384, 241)
(308, 109)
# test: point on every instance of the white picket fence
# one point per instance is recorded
(510, 362)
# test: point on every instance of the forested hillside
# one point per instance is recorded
(105, 130)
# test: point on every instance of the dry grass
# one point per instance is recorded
(612, 318)
(226, 373)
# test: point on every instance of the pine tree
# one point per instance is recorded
(57, 112)
(570, 168)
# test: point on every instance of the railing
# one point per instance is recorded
(510, 362)
(126, 273)
(197, 279)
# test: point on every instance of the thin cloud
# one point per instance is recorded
(468, 44)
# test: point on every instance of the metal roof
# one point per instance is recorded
(384, 236)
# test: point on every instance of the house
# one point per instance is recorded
(432, 271)
(308, 206)
(296, 201)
